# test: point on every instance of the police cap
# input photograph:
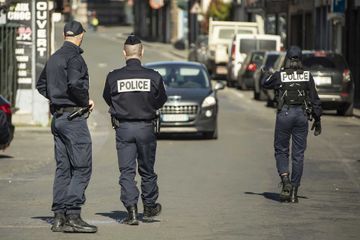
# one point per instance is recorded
(132, 40)
(73, 28)
(294, 52)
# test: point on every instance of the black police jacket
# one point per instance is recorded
(65, 80)
(280, 81)
(134, 92)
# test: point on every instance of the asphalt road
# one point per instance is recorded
(209, 189)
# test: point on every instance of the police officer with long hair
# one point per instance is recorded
(134, 94)
(298, 102)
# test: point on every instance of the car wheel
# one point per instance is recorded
(346, 109)
(229, 84)
(243, 85)
(256, 95)
(262, 95)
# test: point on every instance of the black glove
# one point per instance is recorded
(317, 126)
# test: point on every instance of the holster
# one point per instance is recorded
(114, 122)
(156, 123)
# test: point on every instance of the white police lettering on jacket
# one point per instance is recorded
(133, 85)
(295, 77)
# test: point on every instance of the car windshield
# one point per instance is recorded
(176, 76)
(327, 62)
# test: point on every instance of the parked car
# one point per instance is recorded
(267, 65)
(332, 78)
(252, 62)
(6, 127)
(242, 45)
(192, 104)
(198, 50)
(221, 34)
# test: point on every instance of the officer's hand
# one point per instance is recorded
(91, 104)
(317, 126)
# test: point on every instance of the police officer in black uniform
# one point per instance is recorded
(65, 82)
(298, 102)
(134, 93)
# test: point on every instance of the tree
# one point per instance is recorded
(219, 10)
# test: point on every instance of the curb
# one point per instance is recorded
(356, 113)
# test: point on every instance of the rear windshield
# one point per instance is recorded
(257, 57)
(229, 33)
(226, 33)
(267, 45)
(248, 45)
(183, 76)
(270, 61)
(311, 61)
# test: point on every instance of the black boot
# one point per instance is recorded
(286, 188)
(132, 216)
(294, 197)
(151, 211)
(74, 224)
(59, 221)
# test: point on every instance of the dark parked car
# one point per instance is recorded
(246, 74)
(6, 127)
(267, 65)
(332, 78)
(192, 104)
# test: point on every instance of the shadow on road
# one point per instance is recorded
(47, 219)
(181, 137)
(5, 156)
(270, 195)
(115, 215)
(120, 216)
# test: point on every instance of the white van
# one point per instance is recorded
(220, 36)
(243, 44)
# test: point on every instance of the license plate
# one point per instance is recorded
(175, 118)
(322, 81)
(221, 70)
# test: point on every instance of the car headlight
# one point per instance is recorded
(209, 101)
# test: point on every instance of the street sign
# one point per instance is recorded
(338, 6)
(196, 8)
(19, 12)
(2, 17)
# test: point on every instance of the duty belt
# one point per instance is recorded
(61, 110)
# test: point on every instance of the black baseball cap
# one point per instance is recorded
(132, 40)
(73, 28)
(294, 52)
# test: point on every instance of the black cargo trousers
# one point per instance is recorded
(73, 155)
(136, 145)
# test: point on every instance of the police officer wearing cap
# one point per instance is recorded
(298, 102)
(65, 82)
(134, 93)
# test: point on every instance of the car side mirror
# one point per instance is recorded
(219, 86)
